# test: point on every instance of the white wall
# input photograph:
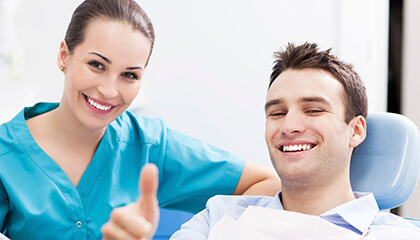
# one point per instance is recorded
(411, 84)
(209, 71)
(210, 67)
(39, 27)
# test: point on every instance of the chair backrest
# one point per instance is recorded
(170, 222)
(387, 163)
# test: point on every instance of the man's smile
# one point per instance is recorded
(296, 147)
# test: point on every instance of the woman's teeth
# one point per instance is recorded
(97, 105)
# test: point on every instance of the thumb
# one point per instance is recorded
(148, 203)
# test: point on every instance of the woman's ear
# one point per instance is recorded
(63, 55)
(358, 131)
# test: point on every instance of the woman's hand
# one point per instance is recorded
(137, 220)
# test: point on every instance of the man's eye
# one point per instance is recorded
(277, 114)
(130, 75)
(96, 64)
(314, 111)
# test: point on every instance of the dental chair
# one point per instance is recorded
(387, 163)
(170, 222)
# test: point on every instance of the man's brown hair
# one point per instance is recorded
(308, 55)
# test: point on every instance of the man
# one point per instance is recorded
(315, 116)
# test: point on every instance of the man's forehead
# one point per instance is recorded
(306, 85)
(296, 74)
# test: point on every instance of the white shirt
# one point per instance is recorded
(357, 215)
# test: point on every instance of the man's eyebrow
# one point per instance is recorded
(104, 58)
(302, 99)
(315, 99)
(272, 102)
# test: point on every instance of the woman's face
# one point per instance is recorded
(103, 74)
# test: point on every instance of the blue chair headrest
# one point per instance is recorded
(387, 163)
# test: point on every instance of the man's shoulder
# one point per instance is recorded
(388, 223)
(241, 199)
(390, 219)
(235, 205)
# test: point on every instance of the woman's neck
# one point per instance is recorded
(69, 128)
(65, 140)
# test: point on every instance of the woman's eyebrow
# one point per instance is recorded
(110, 62)
(134, 68)
(104, 58)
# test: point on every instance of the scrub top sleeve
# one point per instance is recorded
(194, 171)
(4, 208)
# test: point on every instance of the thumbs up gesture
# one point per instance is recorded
(137, 220)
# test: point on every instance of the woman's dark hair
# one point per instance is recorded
(308, 55)
(125, 11)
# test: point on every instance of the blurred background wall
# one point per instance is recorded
(210, 67)
(209, 71)
(410, 82)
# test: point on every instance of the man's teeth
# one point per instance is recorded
(297, 147)
(98, 106)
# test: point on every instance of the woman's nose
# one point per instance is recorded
(108, 87)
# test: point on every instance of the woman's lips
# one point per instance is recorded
(98, 106)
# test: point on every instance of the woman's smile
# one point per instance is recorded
(98, 106)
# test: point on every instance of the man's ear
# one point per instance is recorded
(63, 55)
(358, 131)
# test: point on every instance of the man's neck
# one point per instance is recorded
(316, 201)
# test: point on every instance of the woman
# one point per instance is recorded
(65, 166)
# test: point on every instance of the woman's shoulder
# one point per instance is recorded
(134, 128)
(15, 131)
(8, 138)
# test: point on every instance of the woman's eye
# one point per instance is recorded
(96, 64)
(130, 75)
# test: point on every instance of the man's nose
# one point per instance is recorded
(293, 123)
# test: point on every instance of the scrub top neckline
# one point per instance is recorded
(48, 165)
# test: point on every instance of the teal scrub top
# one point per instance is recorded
(38, 200)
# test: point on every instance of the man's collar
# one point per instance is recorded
(358, 213)
(276, 202)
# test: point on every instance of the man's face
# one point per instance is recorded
(307, 137)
